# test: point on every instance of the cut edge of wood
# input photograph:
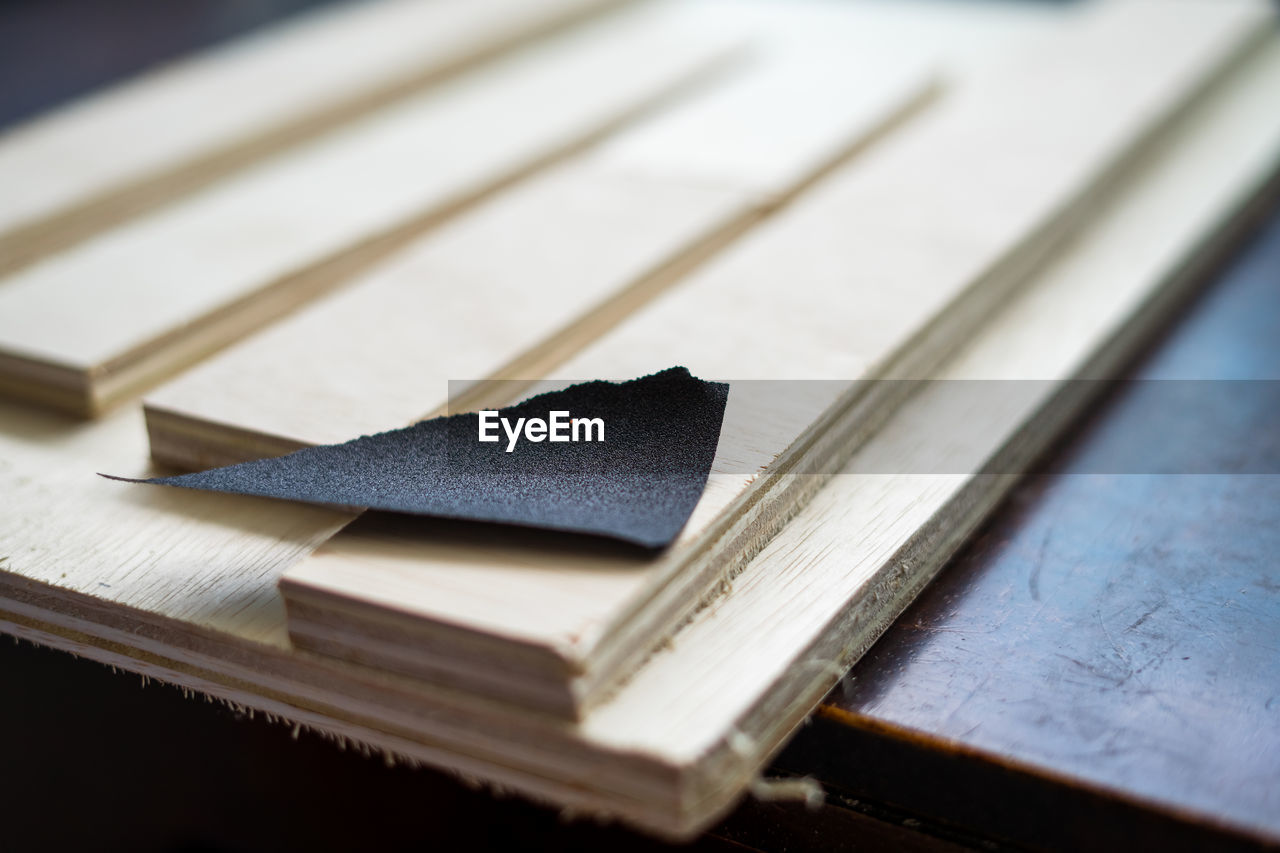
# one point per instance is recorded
(94, 390)
(40, 238)
(181, 441)
(705, 792)
(596, 669)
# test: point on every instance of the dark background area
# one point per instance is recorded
(54, 50)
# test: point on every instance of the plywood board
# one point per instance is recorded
(92, 326)
(879, 273)
(527, 278)
(679, 742)
(660, 176)
(102, 159)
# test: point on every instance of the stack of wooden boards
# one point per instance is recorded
(759, 192)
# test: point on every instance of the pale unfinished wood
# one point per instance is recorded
(677, 744)
(879, 273)
(90, 327)
(528, 278)
(301, 382)
(102, 159)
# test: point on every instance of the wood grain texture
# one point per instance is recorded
(659, 179)
(528, 278)
(676, 745)
(877, 286)
(94, 325)
(97, 161)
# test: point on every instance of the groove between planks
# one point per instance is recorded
(549, 265)
(146, 299)
(101, 160)
(1010, 166)
(675, 746)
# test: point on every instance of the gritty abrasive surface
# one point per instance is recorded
(639, 485)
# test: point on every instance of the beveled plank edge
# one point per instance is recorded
(839, 434)
(26, 244)
(181, 441)
(698, 807)
(597, 669)
(110, 385)
(659, 814)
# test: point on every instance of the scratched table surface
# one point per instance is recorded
(1104, 658)
(1100, 667)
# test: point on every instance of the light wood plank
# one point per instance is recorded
(93, 326)
(675, 746)
(216, 413)
(530, 277)
(879, 273)
(94, 163)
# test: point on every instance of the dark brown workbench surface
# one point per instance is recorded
(1100, 667)
(1105, 656)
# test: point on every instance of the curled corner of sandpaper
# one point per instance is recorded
(638, 485)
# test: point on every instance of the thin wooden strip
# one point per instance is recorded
(879, 273)
(91, 327)
(669, 752)
(531, 276)
(98, 161)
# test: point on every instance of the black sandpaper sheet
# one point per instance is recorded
(638, 485)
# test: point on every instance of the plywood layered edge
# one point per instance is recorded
(389, 626)
(151, 140)
(90, 327)
(820, 570)
(570, 253)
